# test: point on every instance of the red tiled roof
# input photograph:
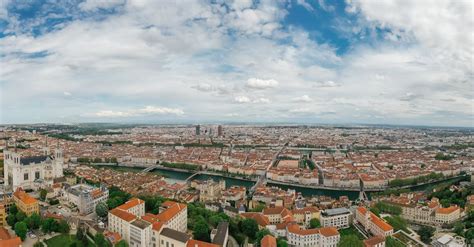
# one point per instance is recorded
(130, 204)
(197, 243)
(261, 219)
(124, 215)
(268, 241)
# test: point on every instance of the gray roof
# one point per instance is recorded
(34, 159)
(336, 211)
(141, 223)
(173, 234)
(231, 209)
(222, 231)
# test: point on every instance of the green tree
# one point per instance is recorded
(121, 243)
(20, 216)
(459, 228)
(34, 221)
(20, 230)
(281, 243)
(249, 227)
(13, 209)
(215, 219)
(11, 219)
(350, 241)
(80, 234)
(63, 227)
(469, 234)
(100, 240)
(48, 225)
(260, 234)
(426, 233)
(38, 244)
(43, 194)
(101, 209)
(375, 210)
(314, 223)
(201, 231)
(392, 242)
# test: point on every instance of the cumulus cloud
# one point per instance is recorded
(256, 83)
(305, 5)
(146, 111)
(92, 5)
(327, 84)
(304, 98)
(242, 99)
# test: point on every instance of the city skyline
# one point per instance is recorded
(303, 62)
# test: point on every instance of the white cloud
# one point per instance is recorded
(92, 5)
(305, 4)
(304, 98)
(67, 93)
(261, 100)
(256, 83)
(242, 99)
(146, 111)
(328, 84)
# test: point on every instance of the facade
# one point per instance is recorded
(3, 215)
(278, 215)
(121, 218)
(25, 202)
(139, 229)
(86, 197)
(323, 237)
(31, 172)
(372, 223)
(337, 217)
(209, 190)
(447, 215)
(304, 215)
(220, 131)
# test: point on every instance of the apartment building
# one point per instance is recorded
(86, 197)
(372, 223)
(25, 202)
(323, 237)
(336, 217)
(3, 215)
(278, 215)
(304, 215)
(447, 215)
(121, 218)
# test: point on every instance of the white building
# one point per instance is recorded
(86, 197)
(372, 223)
(322, 237)
(32, 172)
(337, 217)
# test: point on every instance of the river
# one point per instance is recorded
(180, 177)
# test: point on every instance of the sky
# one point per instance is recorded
(273, 61)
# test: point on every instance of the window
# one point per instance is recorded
(37, 175)
(25, 176)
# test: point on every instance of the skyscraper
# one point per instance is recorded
(219, 130)
(198, 129)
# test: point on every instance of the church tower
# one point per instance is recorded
(58, 162)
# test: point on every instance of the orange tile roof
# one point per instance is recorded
(268, 241)
(380, 223)
(328, 231)
(447, 210)
(297, 230)
(261, 219)
(373, 241)
(24, 197)
(362, 210)
(130, 204)
(4, 233)
(173, 209)
(197, 243)
(124, 215)
(12, 242)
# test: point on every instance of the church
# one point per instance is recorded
(31, 172)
